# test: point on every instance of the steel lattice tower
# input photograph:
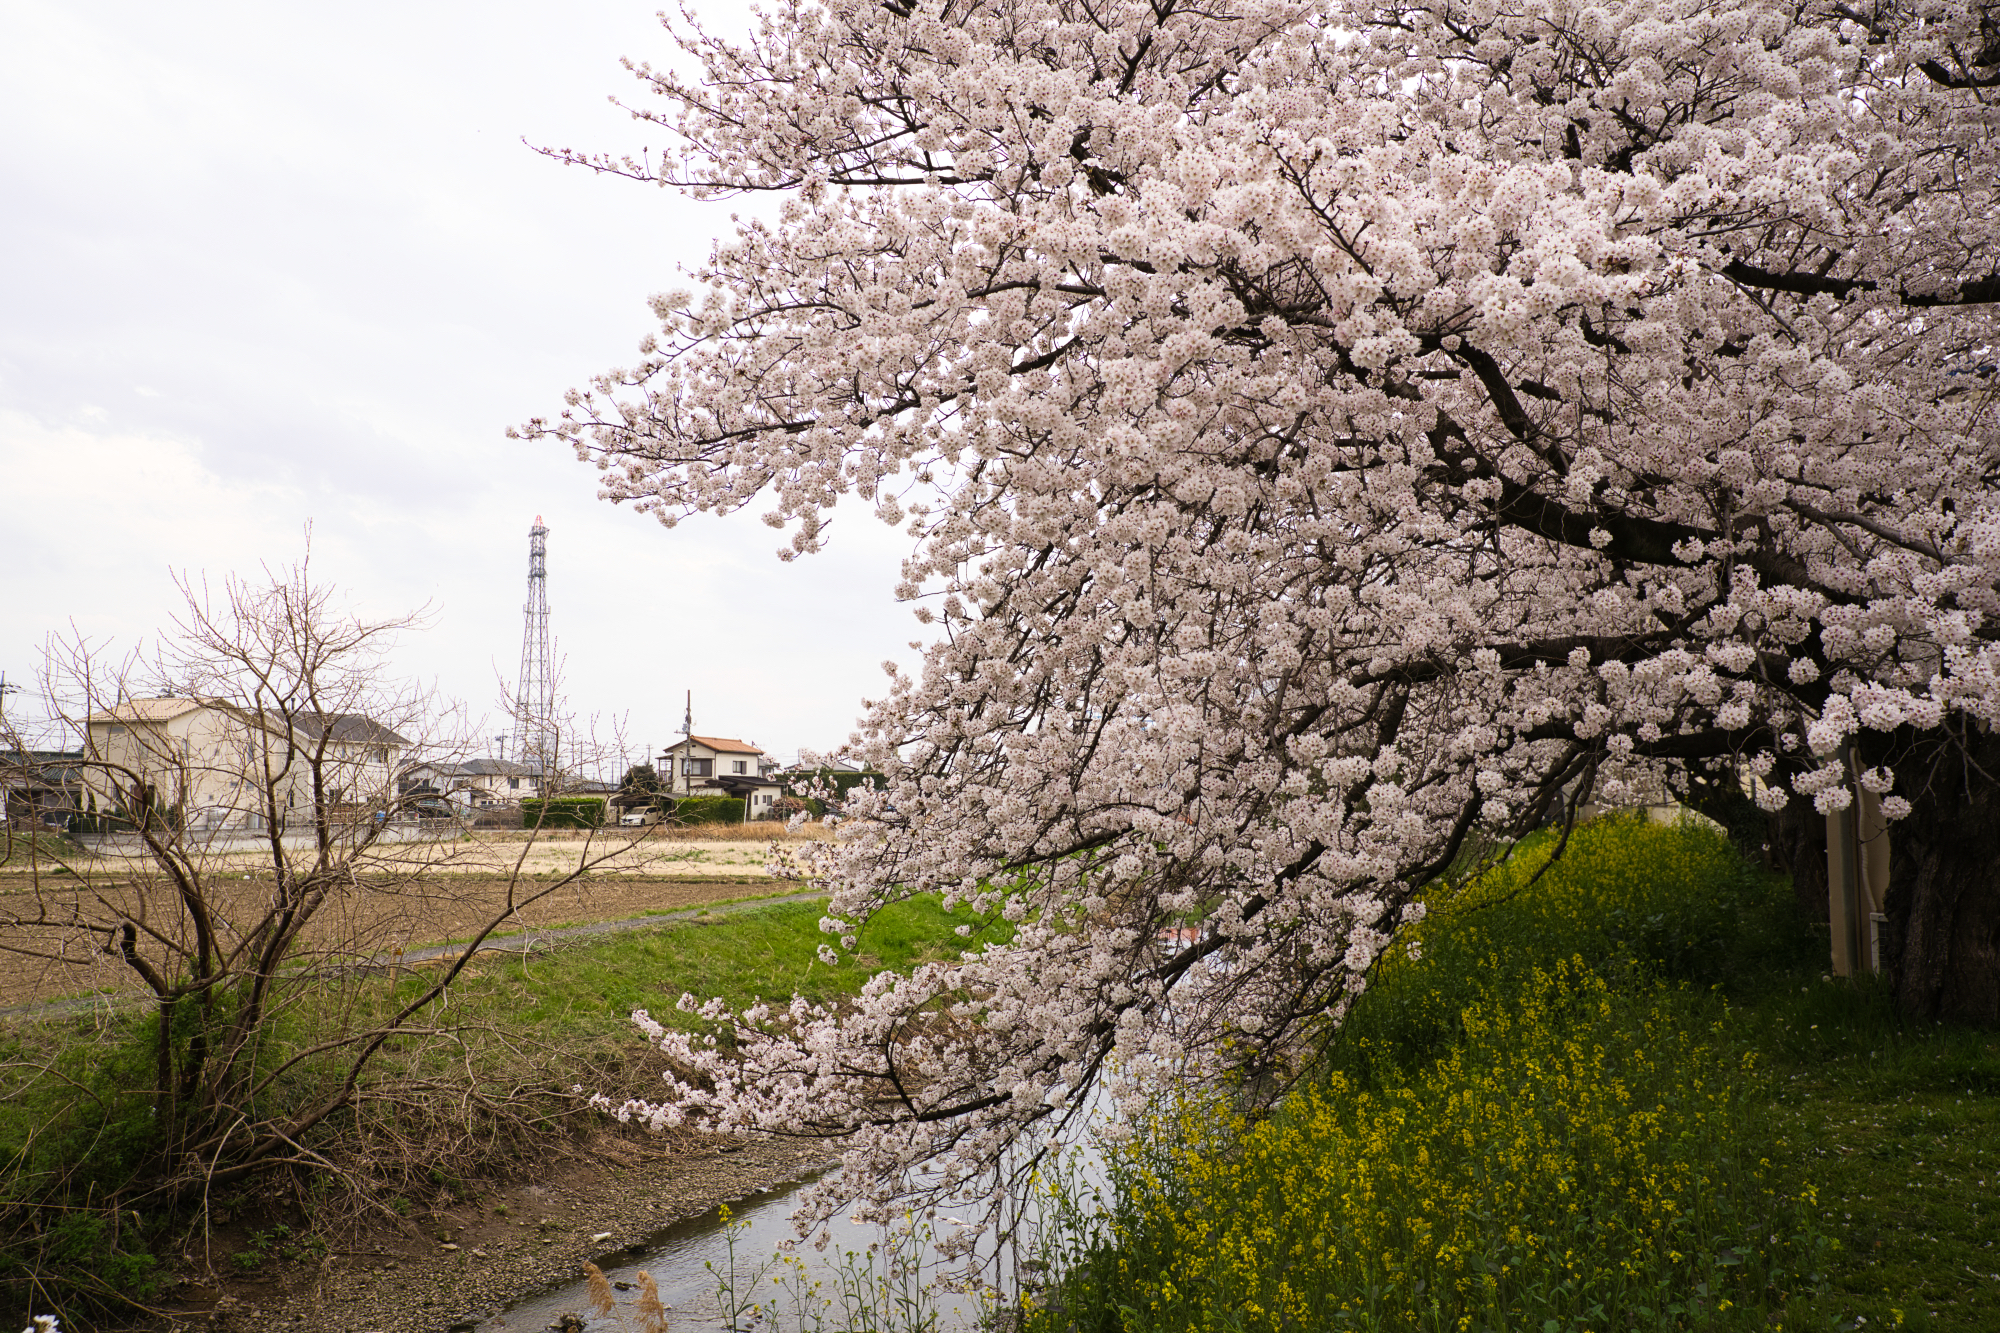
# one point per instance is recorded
(534, 696)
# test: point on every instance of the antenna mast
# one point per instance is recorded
(534, 696)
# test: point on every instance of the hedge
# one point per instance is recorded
(563, 812)
(707, 810)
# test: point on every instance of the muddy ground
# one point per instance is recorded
(452, 1263)
(371, 920)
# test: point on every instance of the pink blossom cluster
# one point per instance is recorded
(1335, 435)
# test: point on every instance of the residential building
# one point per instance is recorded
(361, 755)
(720, 766)
(476, 784)
(40, 786)
(220, 766)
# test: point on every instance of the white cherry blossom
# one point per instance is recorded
(1335, 436)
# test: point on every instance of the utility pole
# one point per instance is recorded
(687, 741)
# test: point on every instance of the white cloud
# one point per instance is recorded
(295, 265)
(97, 515)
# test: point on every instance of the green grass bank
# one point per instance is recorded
(482, 1090)
(1621, 1095)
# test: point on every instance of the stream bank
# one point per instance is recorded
(510, 1241)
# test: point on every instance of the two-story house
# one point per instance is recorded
(359, 756)
(476, 784)
(221, 766)
(720, 766)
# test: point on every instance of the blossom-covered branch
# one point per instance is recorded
(1338, 437)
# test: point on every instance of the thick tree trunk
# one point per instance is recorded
(1941, 942)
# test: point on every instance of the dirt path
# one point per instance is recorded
(736, 849)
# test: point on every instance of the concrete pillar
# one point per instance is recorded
(1873, 831)
(1843, 891)
(1857, 882)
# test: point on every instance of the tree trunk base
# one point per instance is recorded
(1941, 940)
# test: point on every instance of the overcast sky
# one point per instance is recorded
(272, 264)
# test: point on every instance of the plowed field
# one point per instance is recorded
(53, 939)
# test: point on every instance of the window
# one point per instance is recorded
(697, 768)
(739, 766)
(514, 783)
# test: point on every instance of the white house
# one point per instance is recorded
(476, 784)
(720, 766)
(358, 755)
(223, 766)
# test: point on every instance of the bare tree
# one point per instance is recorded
(248, 843)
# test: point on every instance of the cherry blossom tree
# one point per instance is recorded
(1337, 437)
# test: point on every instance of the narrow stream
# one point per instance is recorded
(679, 1259)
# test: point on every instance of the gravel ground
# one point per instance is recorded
(402, 1279)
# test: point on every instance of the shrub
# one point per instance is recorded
(707, 810)
(563, 812)
(802, 784)
(89, 821)
(77, 1128)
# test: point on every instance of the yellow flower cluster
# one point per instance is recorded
(1531, 1121)
(1623, 885)
(1560, 1155)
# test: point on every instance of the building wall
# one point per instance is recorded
(217, 768)
(721, 764)
(451, 782)
(680, 783)
(208, 763)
